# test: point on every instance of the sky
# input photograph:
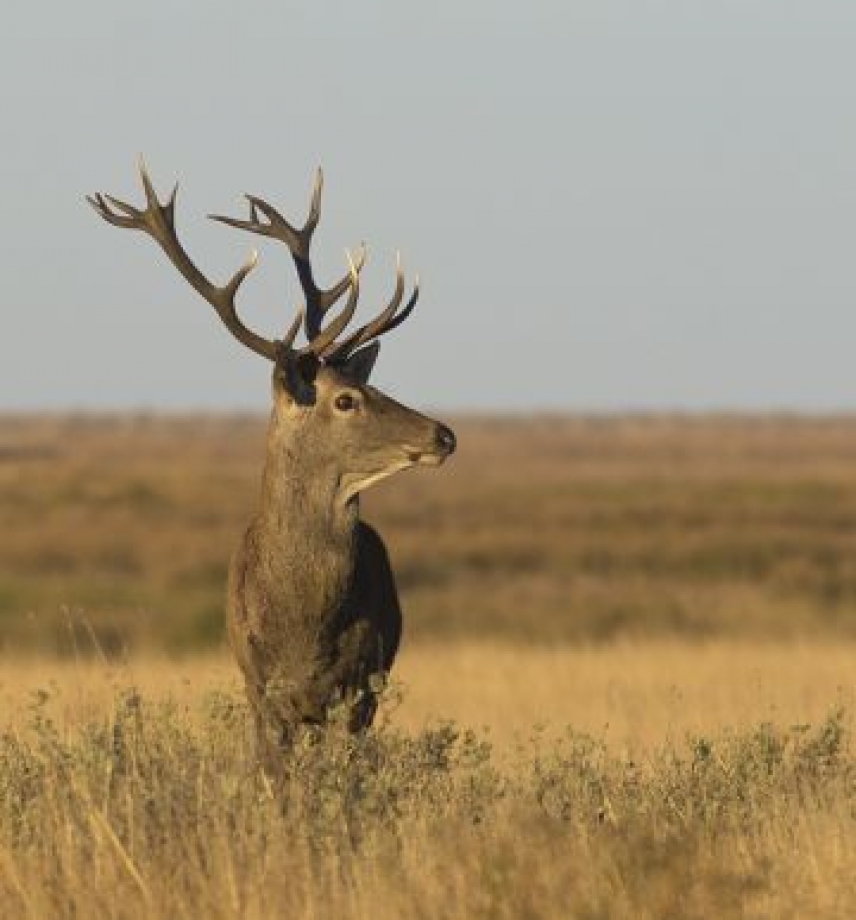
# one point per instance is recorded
(612, 206)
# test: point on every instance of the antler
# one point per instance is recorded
(318, 301)
(298, 241)
(158, 220)
(388, 319)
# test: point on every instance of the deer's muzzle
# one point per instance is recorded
(444, 444)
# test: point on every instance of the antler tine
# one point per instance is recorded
(315, 205)
(325, 338)
(298, 241)
(287, 343)
(158, 221)
(385, 321)
(106, 206)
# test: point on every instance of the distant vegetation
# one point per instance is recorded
(540, 530)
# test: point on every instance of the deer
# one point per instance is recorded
(313, 615)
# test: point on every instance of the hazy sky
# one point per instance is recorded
(612, 205)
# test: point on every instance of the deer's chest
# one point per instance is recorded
(297, 589)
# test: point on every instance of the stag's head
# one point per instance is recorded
(323, 406)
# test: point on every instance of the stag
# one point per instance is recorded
(314, 619)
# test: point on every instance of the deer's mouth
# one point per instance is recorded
(426, 458)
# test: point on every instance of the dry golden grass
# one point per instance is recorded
(629, 695)
(668, 780)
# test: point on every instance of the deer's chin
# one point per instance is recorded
(430, 459)
(352, 484)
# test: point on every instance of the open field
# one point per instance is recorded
(626, 688)
(539, 530)
(663, 779)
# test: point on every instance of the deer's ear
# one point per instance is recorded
(295, 375)
(359, 365)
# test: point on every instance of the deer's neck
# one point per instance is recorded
(300, 500)
(305, 538)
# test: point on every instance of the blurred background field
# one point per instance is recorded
(540, 530)
(626, 687)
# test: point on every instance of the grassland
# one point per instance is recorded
(626, 690)
(645, 781)
(539, 530)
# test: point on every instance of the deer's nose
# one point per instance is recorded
(446, 439)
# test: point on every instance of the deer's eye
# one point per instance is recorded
(345, 402)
